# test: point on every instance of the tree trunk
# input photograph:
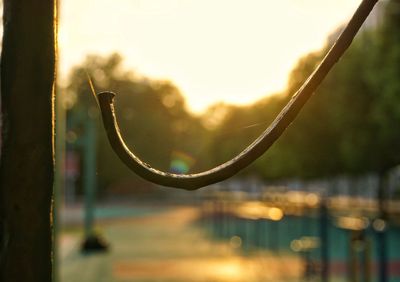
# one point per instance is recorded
(26, 167)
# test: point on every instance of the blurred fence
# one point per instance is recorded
(334, 226)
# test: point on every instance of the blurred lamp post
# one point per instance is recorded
(324, 231)
(87, 144)
(380, 227)
(92, 241)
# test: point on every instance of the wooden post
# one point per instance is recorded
(26, 167)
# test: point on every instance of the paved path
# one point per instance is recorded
(167, 247)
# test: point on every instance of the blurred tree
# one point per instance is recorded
(351, 124)
(383, 74)
(152, 116)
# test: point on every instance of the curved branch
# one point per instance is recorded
(259, 146)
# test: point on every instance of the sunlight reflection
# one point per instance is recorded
(222, 269)
(352, 223)
(235, 242)
(304, 244)
(228, 271)
(258, 210)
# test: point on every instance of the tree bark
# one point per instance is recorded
(26, 164)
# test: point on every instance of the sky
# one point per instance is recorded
(232, 51)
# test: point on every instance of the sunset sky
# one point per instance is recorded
(236, 51)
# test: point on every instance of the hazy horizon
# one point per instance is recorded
(236, 53)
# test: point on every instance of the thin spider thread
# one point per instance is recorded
(91, 85)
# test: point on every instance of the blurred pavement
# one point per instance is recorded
(164, 245)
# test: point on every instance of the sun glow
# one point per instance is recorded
(231, 51)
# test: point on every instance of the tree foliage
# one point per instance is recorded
(152, 116)
(350, 126)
